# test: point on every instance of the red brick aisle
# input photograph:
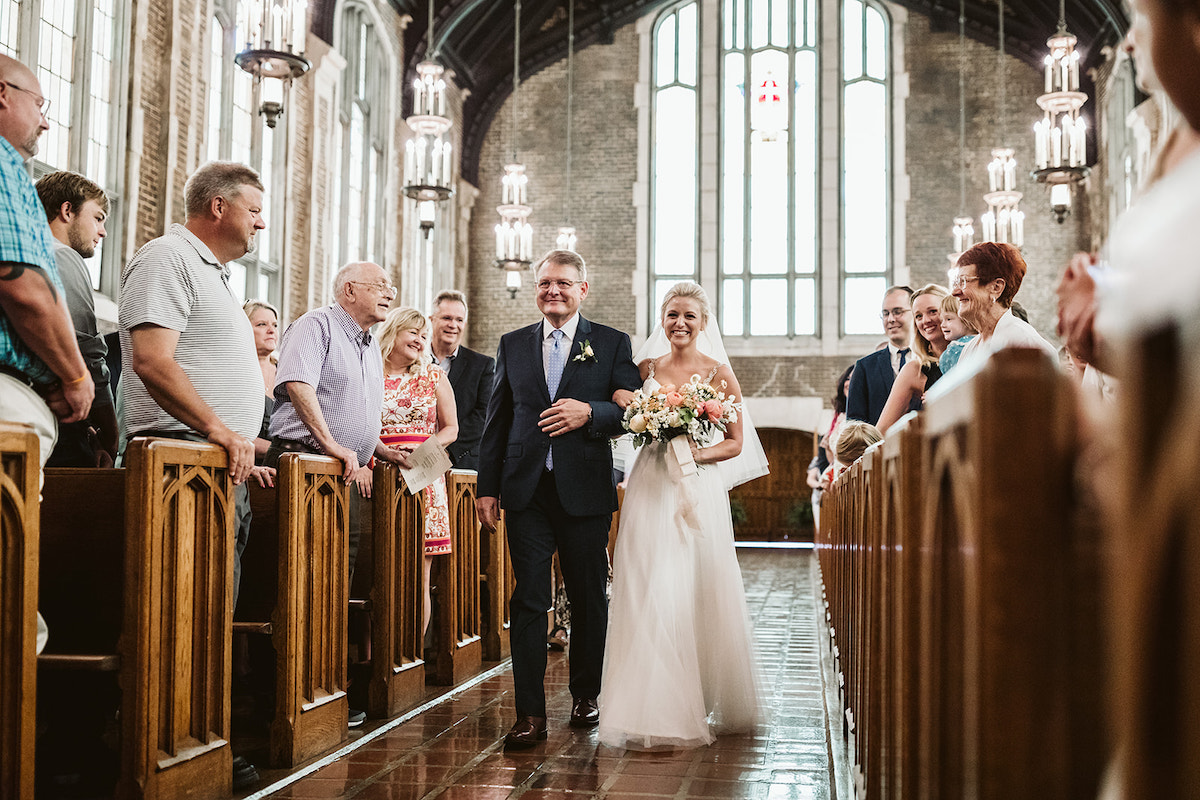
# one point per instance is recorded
(454, 750)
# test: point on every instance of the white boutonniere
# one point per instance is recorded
(585, 352)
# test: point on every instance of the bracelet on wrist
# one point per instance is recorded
(80, 379)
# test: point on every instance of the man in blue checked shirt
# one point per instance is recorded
(42, 374)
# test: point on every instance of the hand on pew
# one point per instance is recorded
(264, 475)
(72, 400)
(239, 448)
(488, 510)
(363, 478)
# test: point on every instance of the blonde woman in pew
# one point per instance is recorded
(922, 371)
(678, 663)
(418, 402)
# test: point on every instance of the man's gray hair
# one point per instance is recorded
(217, 179)
(347, 274)
(453, 295)
(564, 258)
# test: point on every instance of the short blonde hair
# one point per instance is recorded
(854, 440)
(949, 305)
(403, 319)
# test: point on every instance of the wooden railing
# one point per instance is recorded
(955, 573)
(19, 524)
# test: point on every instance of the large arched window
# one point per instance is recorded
(800, 165)
(237, 133)
(76, 47)
(362, 141)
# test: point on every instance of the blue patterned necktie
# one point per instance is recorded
(554, 370)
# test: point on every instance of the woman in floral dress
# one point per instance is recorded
(418, 402)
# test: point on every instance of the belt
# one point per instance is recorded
(294, 446)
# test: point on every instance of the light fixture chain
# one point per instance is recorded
(962, 108)
(570, 99)
(429, 47)
(1003, 78)
(516, 76)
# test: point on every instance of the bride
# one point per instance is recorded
(678, 667)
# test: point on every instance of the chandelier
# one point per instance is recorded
(566, 239)
(1060, 137)
(514, 234)
(275, 33)
(1003, 221)
(964, 228)
(428, 162)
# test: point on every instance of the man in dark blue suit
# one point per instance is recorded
(873, 375)
(545, 458)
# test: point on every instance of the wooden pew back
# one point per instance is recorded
(19, 526)
(457, 634)
(397, 659)
(175, 643)
(954, 575)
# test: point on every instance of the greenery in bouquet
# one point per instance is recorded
(694, 409)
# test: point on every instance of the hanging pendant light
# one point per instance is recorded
(1003, 221)
(428, 161)
(964, 228)
(1060, 137)
(514, 234)
(276, 31)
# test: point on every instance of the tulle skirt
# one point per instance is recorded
(678, 665)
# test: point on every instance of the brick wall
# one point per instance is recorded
(604, 166)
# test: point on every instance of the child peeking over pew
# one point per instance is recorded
(852, 442)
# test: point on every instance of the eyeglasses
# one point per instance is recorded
(562, 285)
(42, 103)
(893, 312)
(960, 281)
(382, 288)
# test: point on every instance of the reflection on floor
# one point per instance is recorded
(454, 749)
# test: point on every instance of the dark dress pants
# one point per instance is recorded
(534, 533)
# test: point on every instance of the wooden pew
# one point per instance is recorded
(294, 574)
(137, 576)
(964, 599)
(457, 639)
(1153, 533)
(19, 526)
(496, 591)
(175, 642)
(397, 660)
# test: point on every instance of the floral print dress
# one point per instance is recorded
(410, 417)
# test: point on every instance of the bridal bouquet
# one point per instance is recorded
(694, 409)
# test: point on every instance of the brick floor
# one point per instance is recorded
(454, 750)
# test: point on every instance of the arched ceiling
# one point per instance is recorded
(475, 39)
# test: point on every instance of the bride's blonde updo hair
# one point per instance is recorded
(691, 291)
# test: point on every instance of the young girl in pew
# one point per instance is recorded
(852, 442)
(957, 332)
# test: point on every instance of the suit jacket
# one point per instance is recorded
(513, 451)
(471, 376)
(870, 386)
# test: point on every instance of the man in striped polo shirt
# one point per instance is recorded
(192, 370)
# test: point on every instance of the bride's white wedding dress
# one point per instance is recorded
(678, 666)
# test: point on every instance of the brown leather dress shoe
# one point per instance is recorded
(527, 732)
(584, 714)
